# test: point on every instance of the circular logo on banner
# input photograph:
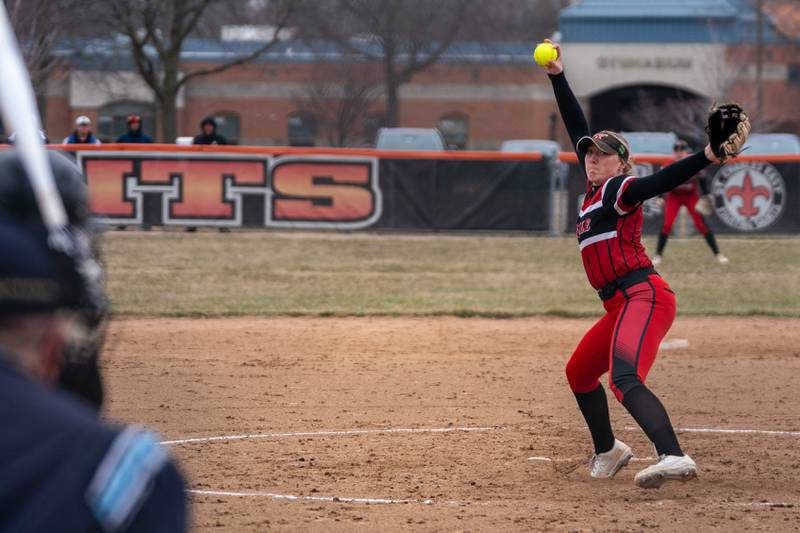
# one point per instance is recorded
(748, 196)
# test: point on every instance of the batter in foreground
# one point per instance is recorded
(639, 304)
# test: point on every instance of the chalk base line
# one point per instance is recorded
(387, 431)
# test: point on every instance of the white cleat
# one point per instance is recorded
(677, 467)
(722, 259)
(656, 260)
(605, 465)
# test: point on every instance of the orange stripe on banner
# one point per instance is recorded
(476, 155)
(469, 155)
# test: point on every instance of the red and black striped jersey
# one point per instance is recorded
(609, 233)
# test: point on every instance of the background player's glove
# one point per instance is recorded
(703, 205)
(727, 129)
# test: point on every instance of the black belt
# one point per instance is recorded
(623, 282)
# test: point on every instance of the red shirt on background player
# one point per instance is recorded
(688, 195)
(639, 304)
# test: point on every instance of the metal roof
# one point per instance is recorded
(662, 21)
(620, 9)
(114, 53)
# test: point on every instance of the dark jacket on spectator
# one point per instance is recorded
(213, 137)
(134, 137)
(74, 139)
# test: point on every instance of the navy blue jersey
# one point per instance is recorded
(61, 469)
(609, 233)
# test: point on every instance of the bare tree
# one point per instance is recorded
(38, 24)
(732, 81)
(731, 78)
(686, 116)
(785, 23)
(340, 98)
(404, 36)
(157, 31)
(513, 21)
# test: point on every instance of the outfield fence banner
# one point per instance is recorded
(352, 189)
(750, 195)
(333, 189)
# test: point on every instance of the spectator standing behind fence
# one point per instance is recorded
(209, 133)
(134, 133)
(83, 132)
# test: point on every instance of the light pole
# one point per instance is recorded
(759, 60)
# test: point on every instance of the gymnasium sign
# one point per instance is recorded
(748, 196)
(232, 190)
(644, 63)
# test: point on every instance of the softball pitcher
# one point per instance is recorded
(639, 304)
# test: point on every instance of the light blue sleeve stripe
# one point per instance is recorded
(124, 478)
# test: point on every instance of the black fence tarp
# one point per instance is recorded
(468, 195)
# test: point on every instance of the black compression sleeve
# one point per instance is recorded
(570, 109)
(664, 180)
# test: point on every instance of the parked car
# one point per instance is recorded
(650, 142)
(772, 143)
(427, 139)
(547, 147)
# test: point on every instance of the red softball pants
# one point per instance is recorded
(625, 340)
(673, 204)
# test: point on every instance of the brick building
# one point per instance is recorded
(478, 95)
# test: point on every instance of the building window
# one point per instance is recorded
(228, 125)
(112, 119)
(455, 130)
(794, 74)
(302, 130)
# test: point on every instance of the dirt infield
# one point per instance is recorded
(498, 443)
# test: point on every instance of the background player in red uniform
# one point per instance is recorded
(639, 304)
(686, 194)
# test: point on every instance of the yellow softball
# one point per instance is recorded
(544, 53)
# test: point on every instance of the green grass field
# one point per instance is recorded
(269, 273)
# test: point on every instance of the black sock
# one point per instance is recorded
(651, 416)
(712, 242)
(594, 407)
(662, 242)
